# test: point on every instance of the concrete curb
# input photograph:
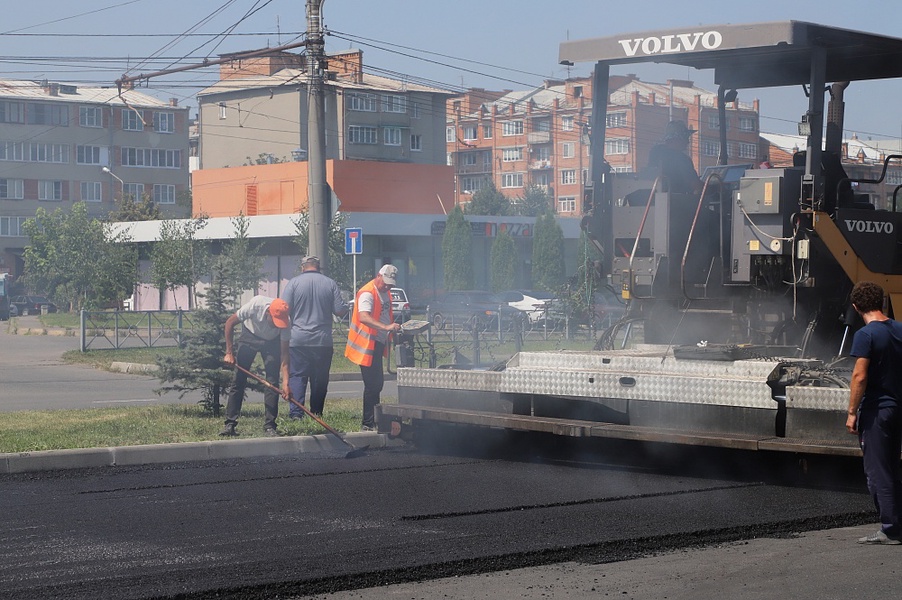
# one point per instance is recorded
(54, 460)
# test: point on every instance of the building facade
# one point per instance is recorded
(257, 113)
(540, 137)
(61, 144)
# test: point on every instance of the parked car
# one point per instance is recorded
(535, 304)
(472, 308)
(609, 306)
(399, 305)
(32, 305)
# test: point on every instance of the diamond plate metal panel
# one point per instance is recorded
(479, 381)
(817, 398)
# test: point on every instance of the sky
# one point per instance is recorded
(493, 44)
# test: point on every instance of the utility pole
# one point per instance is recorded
(318, 201)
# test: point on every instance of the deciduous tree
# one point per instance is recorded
(548, 269)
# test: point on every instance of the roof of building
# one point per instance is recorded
(297, 77)
(794, 143)
(69, 92)
(684, 93)
(283, 226)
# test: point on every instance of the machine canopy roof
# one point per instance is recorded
(751, 55)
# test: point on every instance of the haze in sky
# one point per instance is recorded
(493, 44)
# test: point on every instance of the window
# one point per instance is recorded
(164, 194)
(414, 110)
(710, 148)
(512, 180)
(12, 226)
(362, 102)
(541, 152)
(469, 158)
(566, 123)
(133, 190)
(164, 122)
(748, 124)
(512, 128)
(615, 119)
(487, 131)
(90, 191)
(416, 142)
(12, 112)
(617, 146)
(12, 189)
(50, 190)
(568, 176)
(87, 155)
(893, 177)
(52, 153)
(714, 121)
(222, 110)
(748, 151)
(151, 157)
(626, 169)
(511, 154)
(132, 121)
(12, 151)
(585, 175)
(358, 134)
(566, 204)
(90, 116)
(449, 134)
(394, 104)
(568, 149)
(48, 114)
(469, 132)
(542, 125)
(471, 184)
(391, 136)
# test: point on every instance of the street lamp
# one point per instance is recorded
(116, 177)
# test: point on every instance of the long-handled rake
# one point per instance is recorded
(355, 451)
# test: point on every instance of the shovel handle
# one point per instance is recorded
(288, 397)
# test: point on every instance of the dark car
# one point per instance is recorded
(609, 306)
(32, 305)
(472, 308)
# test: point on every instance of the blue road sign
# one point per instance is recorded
(354, 240)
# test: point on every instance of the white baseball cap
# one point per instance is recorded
(389, 274)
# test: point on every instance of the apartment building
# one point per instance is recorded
(540, 137)
(257, 113)
(62, 143)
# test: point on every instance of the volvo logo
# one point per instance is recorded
(869, 226)
(680, 42)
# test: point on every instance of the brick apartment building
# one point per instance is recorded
(56, 139)
(540, 137)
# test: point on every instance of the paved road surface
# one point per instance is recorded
(35, 378)
(316, 525)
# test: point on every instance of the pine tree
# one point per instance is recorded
(487, 200)
(504, 262)
(198, 363)
(457, 252)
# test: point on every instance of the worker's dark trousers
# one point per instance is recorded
(270, 351)
(880, 434)
(373, 380)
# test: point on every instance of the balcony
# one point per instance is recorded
(468, 169)
(540, 164)
(538, 137)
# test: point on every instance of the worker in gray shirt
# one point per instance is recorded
(312, 299)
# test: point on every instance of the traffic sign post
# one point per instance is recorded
(354, 246)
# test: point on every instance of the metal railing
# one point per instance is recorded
(133, 329)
